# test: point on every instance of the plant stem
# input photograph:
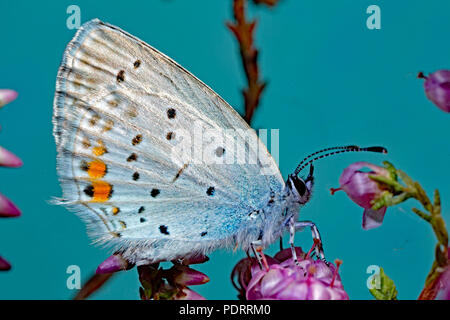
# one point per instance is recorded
(412, 189)
(243, 30)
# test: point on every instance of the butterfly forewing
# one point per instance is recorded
(122, 110)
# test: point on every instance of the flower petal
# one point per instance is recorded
(6, 96)
(361, 189)
(373, 218)
(358, 185)
(351, 169)
(113, 264)
(274, 281)
(295, 291)
(8, 159)
(7, 208)
(186, 276)
(195, 259)
(4, 265)
(437, 89)
(324, 271)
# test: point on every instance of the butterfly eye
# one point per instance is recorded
(300, 186)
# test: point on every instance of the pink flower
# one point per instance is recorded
(185, 276)
(281, 279)
(6, 96)
(7, 159)
(113, 264)
(443, 290)
(437, 88)
(441, 287)
(7, 208)
(4, 265)
(158, 283)
(363, 190)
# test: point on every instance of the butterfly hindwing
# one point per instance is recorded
(121, 109)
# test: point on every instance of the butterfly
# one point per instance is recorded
(127, 121)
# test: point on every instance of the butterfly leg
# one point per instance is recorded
(291, 239)
(254, 245)
(300, 225)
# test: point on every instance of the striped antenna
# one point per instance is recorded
(338, 150)
(324, 150)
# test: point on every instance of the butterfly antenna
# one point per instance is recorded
(304, 163)
(324, 150)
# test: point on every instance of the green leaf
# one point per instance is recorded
(383, 288)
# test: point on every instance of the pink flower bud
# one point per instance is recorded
(7, 208)
(363, 190)
(442, 284)
(195, 259)
(443, 292)
(6, 96)
(4, 265)
(8, 159)
(114, 263)
(437, 88)
(185, 276)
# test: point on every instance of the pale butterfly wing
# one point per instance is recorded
(121, 109)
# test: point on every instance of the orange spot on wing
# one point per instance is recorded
(102, 191)
(97, 169)
(100, 149)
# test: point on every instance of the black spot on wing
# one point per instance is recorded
(210, 191)
(171, 113)
(132, 157)
(163, 229)
(84, 165)
(170, 135)
(89, 190)
(136, 140)
(154, 192)
(136, 176)
(121, 76)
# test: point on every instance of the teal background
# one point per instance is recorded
(331, 82)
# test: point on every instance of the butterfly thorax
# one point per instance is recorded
(271, 220)
(284, 206)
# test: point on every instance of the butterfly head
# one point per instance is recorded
(302, 188)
